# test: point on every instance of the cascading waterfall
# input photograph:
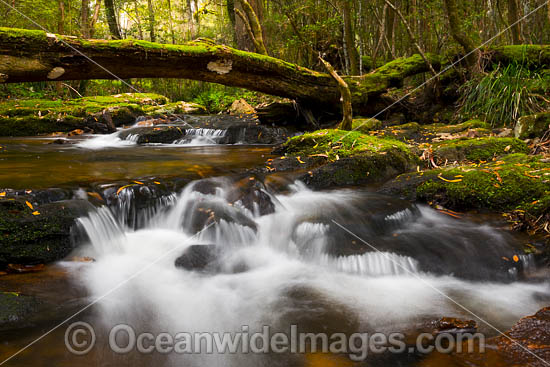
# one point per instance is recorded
(260, 260)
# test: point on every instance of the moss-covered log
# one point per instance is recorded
(27, 56)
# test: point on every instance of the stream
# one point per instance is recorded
(221, 250)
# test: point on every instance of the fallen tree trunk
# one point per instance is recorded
(30, 56)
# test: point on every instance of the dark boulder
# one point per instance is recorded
(198, 258)
(37, 235)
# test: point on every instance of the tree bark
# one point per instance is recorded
(513, 20)
(27, 55)
(459, 35)
(347, 108)
(152, 35)
(85, 19)
(112, 19)
(349, 37)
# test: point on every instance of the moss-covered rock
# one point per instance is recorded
(533, 126)
(366, 125)
(34, 233)
(516, 181)
(100, 114)
(453, 129)
(476, 150)
(336, 158)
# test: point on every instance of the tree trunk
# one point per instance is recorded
(152, 35)
(138, 19)
(347, 109)
(94, 19)
(172, 33)
(112, 19)
(349, 37)
(252, 25)
(459, 35)
(513, 20)
(85, 19)
(37, 56)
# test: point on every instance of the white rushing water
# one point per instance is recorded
(193, 137)
(263, 263)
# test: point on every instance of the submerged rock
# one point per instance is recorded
(15, 308)
(526, 344)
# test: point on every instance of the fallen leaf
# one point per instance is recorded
(122, 188)
(29, 205)
(299, 160)
(156, 182)
(138, 182)
(36, 213)
(508, 148)
(446, 180)
(2, 194)
(516, 258)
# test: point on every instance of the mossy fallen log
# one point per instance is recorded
(30, 56)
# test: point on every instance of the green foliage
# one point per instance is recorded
(503, 96)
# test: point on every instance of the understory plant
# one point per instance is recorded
(503, 95)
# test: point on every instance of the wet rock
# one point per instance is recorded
(198, 258)
(253, 195)
(154, 135)
(533, 126)
(206, 212)
(38, 235)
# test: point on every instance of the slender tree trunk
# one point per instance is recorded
(85, 19)
(152, 35)
(513, 20)
(459, 35)
(349, 37)
(112, 19)
(61, 19)
(172, 34)
(94, 19)
(347, 108)
(138, 20)
(190, 19)
(411, 36)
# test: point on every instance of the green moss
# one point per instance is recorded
(515, 182)
(339, 144)
(406, 66)
(453, 129)
(365, 125)
(477, 150)
(15, 34)
(23, 117)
